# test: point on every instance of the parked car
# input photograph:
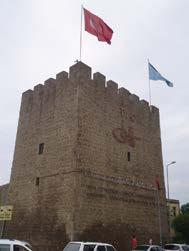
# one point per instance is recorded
(175, 246)
(14, 245)
(148, 248)
(88, 246)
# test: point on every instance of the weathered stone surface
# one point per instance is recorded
(3, 201)
(95, 179)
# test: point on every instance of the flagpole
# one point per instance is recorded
(81, 24)
(149, 86)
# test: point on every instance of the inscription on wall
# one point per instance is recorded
(124, 196)
(130, 181)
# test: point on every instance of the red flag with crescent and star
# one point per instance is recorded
(97, 27)
(157, 183)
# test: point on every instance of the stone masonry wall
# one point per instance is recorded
(95, 179)
(42, 185)
(118, 194)
(3, 194)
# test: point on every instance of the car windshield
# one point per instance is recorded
(142, 247)
(89, 247)
(185, 248)
(72, 247)
(171, 247)
(4, 247)
(110, 248)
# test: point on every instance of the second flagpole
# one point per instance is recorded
(149, 86)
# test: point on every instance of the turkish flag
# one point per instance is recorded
(97, 27)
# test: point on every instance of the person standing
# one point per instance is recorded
(150, 241)
(133, 242)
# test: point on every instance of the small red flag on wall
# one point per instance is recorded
(157, 183)
(97, 27)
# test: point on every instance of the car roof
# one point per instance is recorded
(147, 245)
(12, 241)
(176, 244)
(90, 243)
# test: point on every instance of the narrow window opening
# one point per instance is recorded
(128, 156)
(37, 181)
(41, 148)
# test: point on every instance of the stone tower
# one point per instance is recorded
(86, 158)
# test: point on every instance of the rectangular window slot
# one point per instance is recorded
(41, 148)
(128, 156)
(37, 181)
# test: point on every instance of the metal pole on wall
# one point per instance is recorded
(168, 198)
(171, 163)
(159, 218)
(167, 181)
(149, 88)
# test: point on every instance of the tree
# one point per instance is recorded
(185, 208)
(181, 225)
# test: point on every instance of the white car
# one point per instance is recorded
(14, 245)
(148, 248)
(88, 246)
(175, 246)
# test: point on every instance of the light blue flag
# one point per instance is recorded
(155, 75)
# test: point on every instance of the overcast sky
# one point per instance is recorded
(40, 38)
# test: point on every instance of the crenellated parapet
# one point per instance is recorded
(66, 84)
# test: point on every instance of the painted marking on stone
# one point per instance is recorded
(122, 136)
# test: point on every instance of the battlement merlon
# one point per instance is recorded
(112, 87)
(27, 94)
(62, 75)
(99, 79)
(155, 115)
(79, 71)
(38, 88)
(26, 101)
(124, 92)
(82, 72)
(50, 82)
(134, 98)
